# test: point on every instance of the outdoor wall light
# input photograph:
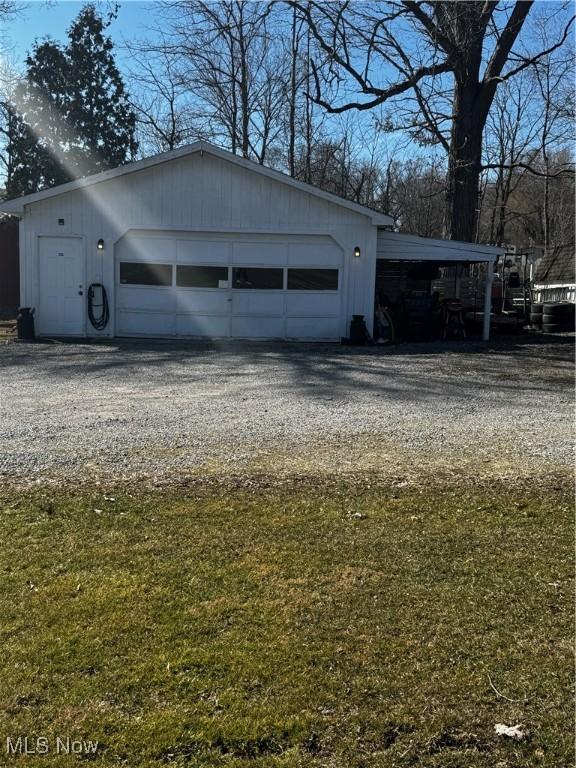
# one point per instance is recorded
(100, 244)
(357, 252)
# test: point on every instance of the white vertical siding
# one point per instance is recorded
(200, 193)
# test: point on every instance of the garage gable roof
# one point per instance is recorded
(16, 205)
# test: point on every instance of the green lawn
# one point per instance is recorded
(310, 625)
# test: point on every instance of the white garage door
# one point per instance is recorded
(243, 286)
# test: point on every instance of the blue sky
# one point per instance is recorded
(39, 19)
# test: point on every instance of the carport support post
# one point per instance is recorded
(488, 300)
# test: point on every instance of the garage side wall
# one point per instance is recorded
(198, 193)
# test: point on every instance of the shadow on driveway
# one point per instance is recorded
(416, 371)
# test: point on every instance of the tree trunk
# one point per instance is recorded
(12, 128)
(503, 208)
(464, 164)
(292, 106)
(308, 152)
(481, 196)
(244, 95)
(495, 204)
(546, 200)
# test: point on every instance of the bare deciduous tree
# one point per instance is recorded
(510, 134)
(557, 117)
(160, 99)
(225, 52)
(532, 118)
(387, 50)
(9, 79)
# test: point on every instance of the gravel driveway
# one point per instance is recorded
(158, 410)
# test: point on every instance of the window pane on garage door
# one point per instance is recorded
(262, 278)
(141, 273)
(200, 277)
(312, 279)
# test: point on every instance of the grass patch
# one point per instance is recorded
(345, 625)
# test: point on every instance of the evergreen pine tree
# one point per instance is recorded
(38, 129)
(99, 113)
(74, 116)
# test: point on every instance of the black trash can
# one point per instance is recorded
(25, 324)
(358, 330)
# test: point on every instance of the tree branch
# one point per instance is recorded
(507, 40)
(380, 94)
(383, 94)
(529, 62)
(529, 168)
(434, 33)
(431, 119)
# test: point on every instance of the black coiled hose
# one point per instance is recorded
(99, 321)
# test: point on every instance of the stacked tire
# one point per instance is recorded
(536, 312)
(557, 317)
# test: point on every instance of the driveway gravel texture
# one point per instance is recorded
(153, 412)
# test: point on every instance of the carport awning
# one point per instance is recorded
(397, 246)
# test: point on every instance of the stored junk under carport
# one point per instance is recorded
(429, 288)
(200, 242)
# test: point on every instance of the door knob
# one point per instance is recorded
(80, 293)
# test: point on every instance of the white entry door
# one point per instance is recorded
(61, 291)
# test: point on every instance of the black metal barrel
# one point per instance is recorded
(25, 324)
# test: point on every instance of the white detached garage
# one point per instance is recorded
(197, 242)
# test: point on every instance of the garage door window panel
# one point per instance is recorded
(201, 276)
(307, 279)
(258, 278)
(145, 273)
